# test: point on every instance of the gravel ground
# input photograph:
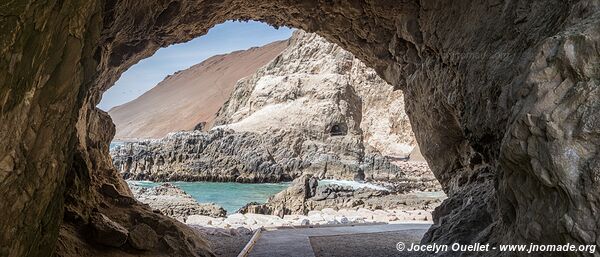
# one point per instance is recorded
(367, 245)
(226, 246)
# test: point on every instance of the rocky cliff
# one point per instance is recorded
(190, 98)
(502, 97)
(314, 109)
(319, 89)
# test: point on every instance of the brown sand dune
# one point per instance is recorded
(191, 96)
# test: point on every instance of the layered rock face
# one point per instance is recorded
(502, 96)
(314, 109)
(318, 89)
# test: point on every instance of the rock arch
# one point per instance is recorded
(502, 95)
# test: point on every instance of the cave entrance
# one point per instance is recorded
(90, 44)
(267, 128)
(481, 79)
(337, 130)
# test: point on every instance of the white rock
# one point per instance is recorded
(329, 211)
(367, 214)
(265, 219)
(400, 212)
(347, 213)
(328, 217)
(199, 220)
(255, 227)
(294, 217)
(381, 218)
(315, 217)
(236, 216)
(250, 221)
(363, 210)
(342, 219)
(314, 213)
(380, 212)
(359, 220)
(281, 223)
(332, 222)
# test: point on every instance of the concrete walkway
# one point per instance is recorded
(295, 242)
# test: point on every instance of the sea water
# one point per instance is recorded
(229, 195)
(114, 144)
(233, 196)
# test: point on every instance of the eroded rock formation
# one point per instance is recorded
(502, 96)
(325, 93)
(314, 109)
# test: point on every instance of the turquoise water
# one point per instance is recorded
(114, 144)
(231, 196)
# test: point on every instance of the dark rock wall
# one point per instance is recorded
(224, 155)
(502, 96)
(46, 68)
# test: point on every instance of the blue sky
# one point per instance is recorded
(224, 38)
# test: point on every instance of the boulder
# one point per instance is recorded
(342, 219)
(107, 232)
(110, 190)
(243, 231)
(236, 218)
(142, 237)
(200, 220)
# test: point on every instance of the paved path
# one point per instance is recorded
(296, 243)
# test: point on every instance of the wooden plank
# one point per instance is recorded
(246, 251)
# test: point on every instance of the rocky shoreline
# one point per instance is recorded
(328, 216)
(305, 195)
(224, 155)
(174, 202)
(303, 203)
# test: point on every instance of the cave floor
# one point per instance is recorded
(357, 240)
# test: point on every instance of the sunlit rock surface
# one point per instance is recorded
(189, 99)
(314, 109)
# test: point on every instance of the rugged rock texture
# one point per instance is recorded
(174, 202)
(107, 232)
(301, 113)
(317, 89)
(502, 96)
(225, 155)
(100, 208)
(142, 237)
(305, 194)
(189, 97)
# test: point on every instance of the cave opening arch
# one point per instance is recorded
(478, 102)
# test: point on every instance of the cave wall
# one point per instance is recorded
(502, 96)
